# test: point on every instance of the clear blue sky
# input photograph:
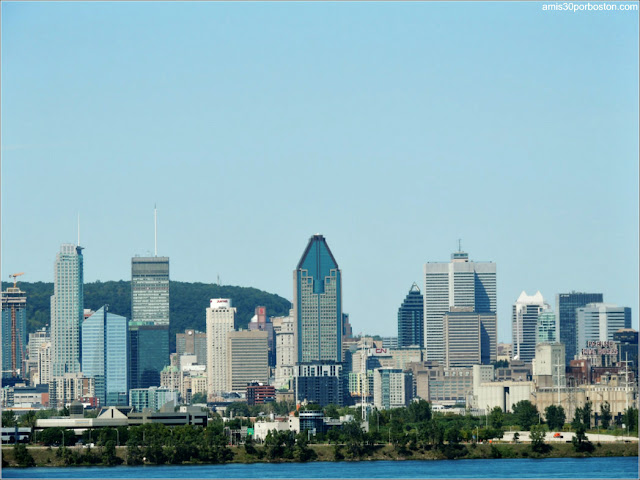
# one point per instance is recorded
(391, 128)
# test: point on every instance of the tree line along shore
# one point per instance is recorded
(411, 433)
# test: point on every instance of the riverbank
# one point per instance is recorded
(49, 457)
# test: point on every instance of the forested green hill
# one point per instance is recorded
(187, 302)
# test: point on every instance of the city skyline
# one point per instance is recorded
(392, 129)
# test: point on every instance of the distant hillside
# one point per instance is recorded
(187, 302)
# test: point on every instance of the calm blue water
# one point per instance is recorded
(611, 467)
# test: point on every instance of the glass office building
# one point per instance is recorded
(150, 290)
(317, 294)
(148, 353)
(546, 328)
(566, 328)
(104, 355)
(411, 319)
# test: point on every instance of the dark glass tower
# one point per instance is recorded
(14, 331)
(411, 319)
(148, 353)
(317, 293)
(566, 304)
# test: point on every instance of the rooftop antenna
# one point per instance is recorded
(78, 229)
(459, 244)
(155, 230)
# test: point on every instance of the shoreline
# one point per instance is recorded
(46, 457)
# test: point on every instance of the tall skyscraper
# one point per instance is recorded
(67, 306)
(220, 321)
(470, 337)
(599, 321)
(458, 283)
(317, 297)
(148, 353)
(566, 331)
(14, 331)
(105, 355)
(150, 290)
(411, 319)
(526, 311)
(261, 322)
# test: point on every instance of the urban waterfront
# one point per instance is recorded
(606, 467)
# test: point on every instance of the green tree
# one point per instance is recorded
(452, 435)
(8, 419)
(199, 397)
(22, 455)
(418, 412)
(577, 419)
(526, 414)
(605, 415)
(586, 414)
(555, 416)
(580, 441)
(109, 456)
(537, 439)
(496, 417)
(630, 419)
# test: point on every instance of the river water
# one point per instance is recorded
(604, 467)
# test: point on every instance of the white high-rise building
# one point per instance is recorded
(458, 283)
(220, 320)
(599, 321)
(67, 310)
(283, 328)
(524, 320)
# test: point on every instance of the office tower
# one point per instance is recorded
(470, 337)
(261, 322)
(14, 331)
(392, 388)
(317, 300)
(526, 311)
(411, 319)
(390, 342)
(247, 359)
(148, 353)
(599, 321)
(192, 342)
(546, 328)
(458, 283)
(153, 398)
(67, 310)
(220, 321)
(44, 363)
(104, 355)
(320, 382)
(566, 332)
(150, 290)
(283, 328)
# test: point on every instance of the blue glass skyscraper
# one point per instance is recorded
(411, 319)
(104, 355)
(317, 289)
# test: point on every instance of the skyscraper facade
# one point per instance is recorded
(14, 331)
(105, 355)
(546, 327)
(524, 320)
(470, 337)
(411, 319)
(67, 305)
(599, 321)
(317, 297)
(566, 331)
(148, 353)
(192, 342)
(247, 359)
(458, 283)
(150, 290)
(220, 321)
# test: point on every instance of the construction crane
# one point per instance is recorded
(14, 275)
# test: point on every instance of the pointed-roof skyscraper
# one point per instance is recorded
(317, 299)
